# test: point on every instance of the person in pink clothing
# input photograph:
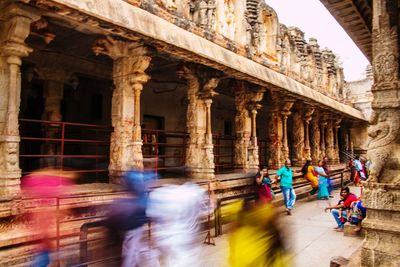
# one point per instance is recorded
(48, 185)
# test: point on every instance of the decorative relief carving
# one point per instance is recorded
(385, 67)
(377, 197)
(384, 132)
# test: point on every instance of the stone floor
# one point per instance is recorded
(311, 237)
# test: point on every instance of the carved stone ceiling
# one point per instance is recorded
(76, 43)
(355, 16)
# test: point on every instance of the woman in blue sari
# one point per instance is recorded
(323, 192)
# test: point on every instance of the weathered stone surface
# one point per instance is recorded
(338, 261)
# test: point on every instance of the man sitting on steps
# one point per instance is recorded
(348, 199)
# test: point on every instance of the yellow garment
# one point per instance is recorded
(256, 240)
(311, 177)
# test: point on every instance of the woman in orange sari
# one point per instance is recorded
(309, 174)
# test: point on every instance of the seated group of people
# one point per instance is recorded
(348, 209)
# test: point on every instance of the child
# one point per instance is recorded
(358, 213)
(341, 218)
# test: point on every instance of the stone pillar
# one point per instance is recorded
(242, 128)
(285, 113)
(315, 136)
(274, 129)
(195, 123)
(306, 121)
(298, 140)
(130, 62)
(336, 148)
(253, 106)
(329, 142)
(54, 79)
(199, 162)
(323, 124)
(14, 29)
(207, 159)
(382, 192)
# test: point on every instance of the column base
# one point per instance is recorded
(199, 173)
(10, 186)
(382, 225)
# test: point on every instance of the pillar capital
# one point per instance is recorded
(307, 116)
(208, 90)
(16, 28)
(131, 59)
(337, 122)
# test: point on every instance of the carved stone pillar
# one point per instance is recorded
(14, 29)
(381, 194)
(336, 148)
(130, 62)
(298, 140)
(285, 113)
(315, 137)
(195, 123)
(207, 162)
(329, 142)
(253, 106)
(323, 125)
(199, 151)
(54, 79)
(307, 119)
(274, 129)
(242, 128)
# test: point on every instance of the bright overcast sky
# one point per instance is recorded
(314, 19)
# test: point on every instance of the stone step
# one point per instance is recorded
(349, 230)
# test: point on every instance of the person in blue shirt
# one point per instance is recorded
(285, 176)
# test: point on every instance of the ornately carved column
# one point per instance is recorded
(381, 195)
(307, 119)
(14, 29)
(329, 142)
(323, 124)
(285, 113)
(298, 139)
(195, 123)
(130, 62)
(274, 129)
(315, 139)
(242, 128)
(336, 149)
(253, 106)
(207, 159)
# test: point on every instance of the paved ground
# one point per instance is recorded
(311, 237)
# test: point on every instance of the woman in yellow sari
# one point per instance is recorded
(309, 174)
(256, 240)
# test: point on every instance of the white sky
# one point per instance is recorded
(314, 20)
